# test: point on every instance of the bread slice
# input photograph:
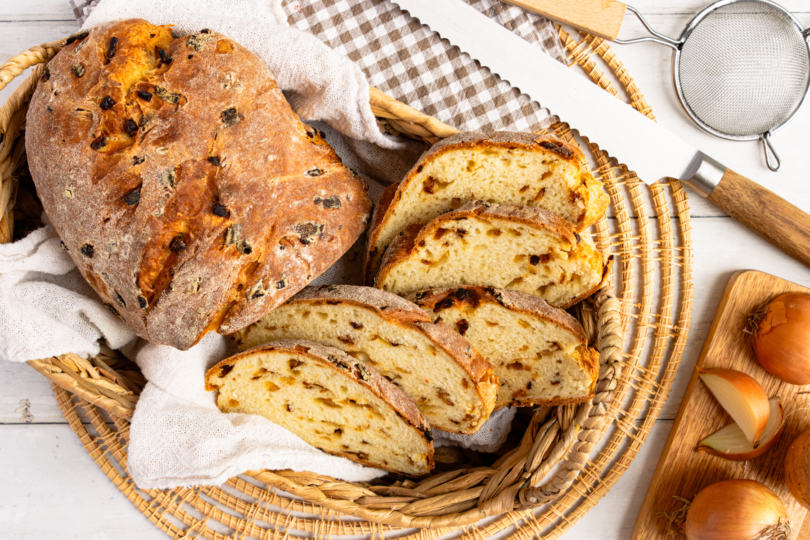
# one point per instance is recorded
(330, 400)
(505, 246)
(504, 167)
(539, 352)
(450, 382)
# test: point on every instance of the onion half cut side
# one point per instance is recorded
(731, 443)
(742, 397)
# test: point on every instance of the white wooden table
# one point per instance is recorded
(49, 486)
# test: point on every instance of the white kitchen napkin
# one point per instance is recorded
(178, 436)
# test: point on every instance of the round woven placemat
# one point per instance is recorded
(648, 233)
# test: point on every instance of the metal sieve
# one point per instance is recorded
(741, 69)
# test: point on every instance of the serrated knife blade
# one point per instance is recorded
(646, 148)
(650, 151)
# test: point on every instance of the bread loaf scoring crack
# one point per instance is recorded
(182, 183)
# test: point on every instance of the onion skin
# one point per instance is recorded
(797, 469)
(736, 510)
(782, 338)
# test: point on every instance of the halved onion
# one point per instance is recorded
(731, 443)
(742, 397)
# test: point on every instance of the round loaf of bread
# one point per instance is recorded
(187, 191)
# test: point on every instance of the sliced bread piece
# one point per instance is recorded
(450, 382)
(505, 246)
(330, 400)
(507, 168)
(539, 352)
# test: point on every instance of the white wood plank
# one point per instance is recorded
(52, 489)
(26, 396)
(35, 10)
(690, 7)
(20, 36)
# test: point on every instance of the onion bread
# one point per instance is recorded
(504, 246)
(182, 184)
(330, 400)
(504, 167)
(539, 352)
(453, 386)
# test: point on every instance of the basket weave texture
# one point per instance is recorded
(544, 478)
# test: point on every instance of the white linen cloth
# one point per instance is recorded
(178, 436)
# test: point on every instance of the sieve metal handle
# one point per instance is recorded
(769, 150)
(657, 36)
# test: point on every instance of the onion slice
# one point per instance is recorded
(731, 443)
(742, 397)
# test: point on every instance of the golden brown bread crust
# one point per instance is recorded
(590, 190)
(189, 194)
(343, 365)
(435, 300)
(398, 311)
(377, 216)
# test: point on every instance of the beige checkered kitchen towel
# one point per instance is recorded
(412, 64)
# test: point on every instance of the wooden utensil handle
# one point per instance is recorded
(601, 18)
(765, 213)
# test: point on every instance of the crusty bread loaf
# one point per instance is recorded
(539, 352)
(504, 167)
(330, 400)
(505, 246)
(453, 386)
(189, 194)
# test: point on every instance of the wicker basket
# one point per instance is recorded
(541, 482)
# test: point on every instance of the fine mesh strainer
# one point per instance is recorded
(741, 68)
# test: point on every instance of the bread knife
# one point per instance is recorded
(646, 148)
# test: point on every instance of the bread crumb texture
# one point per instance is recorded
(189, 194)
(510, 247)
(504, 167)
(538, 352)
(448, 380)
(330, 400)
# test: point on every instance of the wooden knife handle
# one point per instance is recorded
(601, 18)
(765, 213)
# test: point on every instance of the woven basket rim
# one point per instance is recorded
(71, 372)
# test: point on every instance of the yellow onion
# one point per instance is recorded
(797, 469)
(782, 337)
(736, 510)
(731, 443)
(742, 397)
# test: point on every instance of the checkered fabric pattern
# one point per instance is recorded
(414, 65)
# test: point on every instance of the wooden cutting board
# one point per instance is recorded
(682, 471)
